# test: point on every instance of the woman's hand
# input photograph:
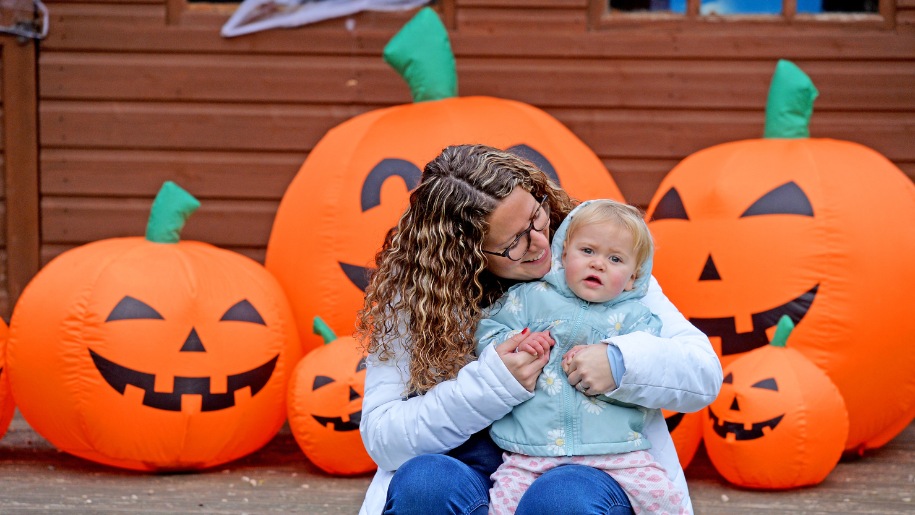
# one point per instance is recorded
(525, 354)
(588, 368)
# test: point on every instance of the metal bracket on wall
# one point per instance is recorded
(27, 19)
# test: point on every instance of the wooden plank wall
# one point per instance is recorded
(134, 92)
(4, 292)
(19, 237)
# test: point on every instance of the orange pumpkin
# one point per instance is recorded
(355, 184)
(153, 354)
(779, 421)
(325, 404)
(7, 406)
(686, 431)
(816, 229)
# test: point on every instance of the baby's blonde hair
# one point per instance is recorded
(622, 215)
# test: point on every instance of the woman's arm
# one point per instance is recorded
(677, 370)
(395, 429)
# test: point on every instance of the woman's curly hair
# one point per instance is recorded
(431, 282)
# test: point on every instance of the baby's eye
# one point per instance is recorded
(588, 251)
(616, 259)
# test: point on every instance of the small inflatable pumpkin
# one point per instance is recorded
(816, 229)
(153, 353)
(355, 184)
(779, 422)
(7, 406)
(325, 404)
(686, 431)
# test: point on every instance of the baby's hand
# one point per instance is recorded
(536, 344)
(567, 359)
(525, 369)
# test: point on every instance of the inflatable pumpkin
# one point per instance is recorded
(155, 353)
(686, 431)
(355, 184)
(779, 422)
(816, 229)
(325, 404)
(7, 406)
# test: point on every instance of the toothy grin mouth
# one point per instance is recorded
(358, 275)
(338, 424)
(723, 428)
(542, 252)
(733, 342)
(118, 377)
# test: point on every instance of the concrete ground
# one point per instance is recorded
(36, 478)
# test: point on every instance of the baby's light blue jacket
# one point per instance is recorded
(559, 420)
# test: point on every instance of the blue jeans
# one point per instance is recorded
(458, 483)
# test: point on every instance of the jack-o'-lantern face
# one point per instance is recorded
(749, 231)
(162, 356)
(760, 416)
(355, 185)
(214, 392)
(748, 280)
(333, 418)
(325, 407)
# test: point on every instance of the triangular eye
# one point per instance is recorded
(526, 152)
(390, 167)
(787, 199)
(130, 308)
(243, 311)
(728, 379)
(670, 207)
(321, 381)
(360, 365)
(768, 384)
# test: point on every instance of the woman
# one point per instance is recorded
(467, 235)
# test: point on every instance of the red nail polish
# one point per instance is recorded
(525, 331)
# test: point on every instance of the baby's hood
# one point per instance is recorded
(556, 275)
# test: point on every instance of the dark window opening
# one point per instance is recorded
(745, 7)
(648, 5)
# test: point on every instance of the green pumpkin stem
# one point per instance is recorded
(782, 331)
(790, 103)
(421, 54)
(170, 211)
(323, 330)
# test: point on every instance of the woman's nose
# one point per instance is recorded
(538, 240)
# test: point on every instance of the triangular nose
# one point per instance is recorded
(734, 405)
(709, 272)
(193, 343)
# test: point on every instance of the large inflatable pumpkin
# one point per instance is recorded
(816, 229)
(354, 185)
(153, 353)
(325, 404)
(779, 421)
(7, 406)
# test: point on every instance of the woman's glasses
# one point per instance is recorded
(515, 250)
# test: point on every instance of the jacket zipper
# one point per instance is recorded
(568, 391)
